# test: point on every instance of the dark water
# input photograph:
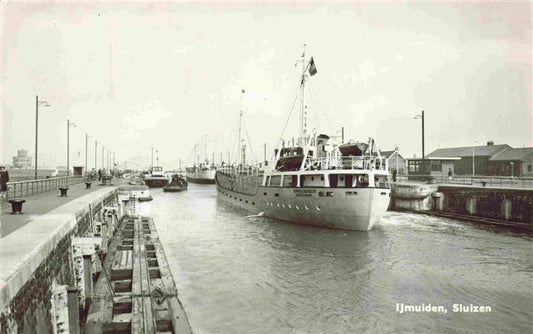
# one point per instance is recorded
(255, 275)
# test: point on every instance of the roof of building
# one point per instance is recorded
(513, 154)
(388, 154)
(486, 150)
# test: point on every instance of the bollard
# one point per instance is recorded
(63, 192)
(505, 208)
(88, 279)
(16, 205)
(88, 185)
(471, 205)
(73, 311)
(439, 201)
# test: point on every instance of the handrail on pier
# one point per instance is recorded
(26, 188)
(491, 181)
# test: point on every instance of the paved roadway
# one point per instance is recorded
(39, 204)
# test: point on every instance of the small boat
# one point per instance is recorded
(140, 193)
(177, 183)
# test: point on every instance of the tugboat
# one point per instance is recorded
(319, 181)
(178, 183)
(156, 178)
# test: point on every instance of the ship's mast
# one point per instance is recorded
(241, 148)
(205, 148)
(302, 100)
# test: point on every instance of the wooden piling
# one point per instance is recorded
(144, 297)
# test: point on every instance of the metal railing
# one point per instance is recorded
(482, 181)
(27, 188)
(349, 162)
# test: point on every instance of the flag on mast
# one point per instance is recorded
(312, 67)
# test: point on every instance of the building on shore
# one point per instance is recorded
(396, 161)
(458, 160)
(22, 160)
(512, 162)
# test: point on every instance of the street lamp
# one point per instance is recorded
(37, 104)
(95, 154)
(86, 144)
(69, 124)
(421, 116)
(473, 160)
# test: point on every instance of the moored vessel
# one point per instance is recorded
(156, 178)
(319, 181)
(201, 173)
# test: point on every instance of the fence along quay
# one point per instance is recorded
(91, 265)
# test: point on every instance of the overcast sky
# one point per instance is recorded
(171, 74)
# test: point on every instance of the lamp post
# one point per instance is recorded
(69, 124)
(37, 104)
(86, 143)
(95, 154)
(473, 160)
(103, 166)
(421, 116)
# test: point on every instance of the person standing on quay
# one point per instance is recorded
(4, 179)
(99, 174)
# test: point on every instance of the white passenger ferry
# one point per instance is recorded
(319, 182)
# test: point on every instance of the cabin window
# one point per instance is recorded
(287, 181)
(529, 168)
(333, 180)
(341, 180)
(275, 181)
(348, 180)
(361, 181)
(312, 180)
(381, 181)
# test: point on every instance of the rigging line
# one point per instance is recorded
(322, 107)
(313, 102)
(249, 143)
(288, 118)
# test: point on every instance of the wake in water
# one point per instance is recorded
(259, 215)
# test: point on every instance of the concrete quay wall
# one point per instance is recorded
(496, 203)
(513, 205)
(38, 257)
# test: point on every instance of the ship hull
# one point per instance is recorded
(341, 208)
(156, 182)
(202, 177)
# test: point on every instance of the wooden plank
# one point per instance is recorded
(101, 308)
(123, 259)
(148, 317)
(137, 323)
(177, 313)
(129, 262)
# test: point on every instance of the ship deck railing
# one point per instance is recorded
(348, 162)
